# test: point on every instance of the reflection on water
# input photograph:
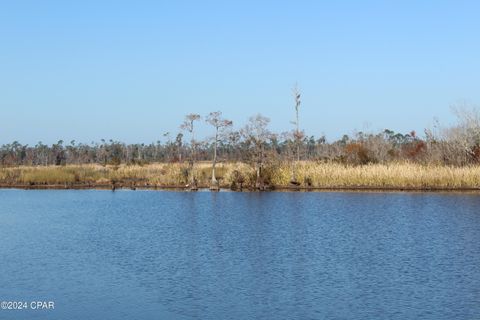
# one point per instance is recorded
(162, 255)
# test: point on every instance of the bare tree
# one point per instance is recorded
(215, 119)
(256, 135)
(459, 144)
(297, 134)
(188, 125)
(468, 130)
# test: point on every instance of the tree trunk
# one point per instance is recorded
(214, 178)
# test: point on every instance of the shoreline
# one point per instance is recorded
(311, 176)
(207, 188)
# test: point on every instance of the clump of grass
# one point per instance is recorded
(238, 173)
(173, 174)
(59, 175)
(10, 175)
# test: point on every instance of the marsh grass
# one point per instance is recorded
(313, 174)
(398, 175)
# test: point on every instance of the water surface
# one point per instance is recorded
(175, 255)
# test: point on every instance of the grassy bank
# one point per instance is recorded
(309, 174)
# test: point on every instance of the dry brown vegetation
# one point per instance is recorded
(240, 175)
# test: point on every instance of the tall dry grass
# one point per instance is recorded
(322, 175)
(396, 175)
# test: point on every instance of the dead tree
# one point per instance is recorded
(256, 134)
(188, 125)
(215, 119)
(297, 134)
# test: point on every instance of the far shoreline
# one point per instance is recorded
(109, 187)
(310, 177)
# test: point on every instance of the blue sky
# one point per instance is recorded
(130, 70)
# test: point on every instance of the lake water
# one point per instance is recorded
(175, 255)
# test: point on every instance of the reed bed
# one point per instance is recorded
(398, 175)
(308, 174)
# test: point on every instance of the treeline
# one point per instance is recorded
(255, 143)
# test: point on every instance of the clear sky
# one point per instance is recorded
(130, 70)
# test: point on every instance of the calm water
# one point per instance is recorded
(168, 255)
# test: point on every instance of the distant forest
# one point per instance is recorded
(255, 143)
